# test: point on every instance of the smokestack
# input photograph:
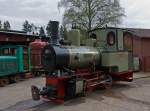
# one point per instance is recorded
(54, 32)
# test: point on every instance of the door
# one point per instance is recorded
(147, 64)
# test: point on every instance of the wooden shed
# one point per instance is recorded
(141, 47)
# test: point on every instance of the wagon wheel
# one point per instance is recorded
(4, 82)
(108, 82)
(38, 74)
(16, 78)
(35, 73)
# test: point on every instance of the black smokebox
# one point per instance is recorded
(54, 32)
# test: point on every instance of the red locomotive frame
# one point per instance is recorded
(93, 80)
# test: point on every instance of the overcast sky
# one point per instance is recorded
(41, 11)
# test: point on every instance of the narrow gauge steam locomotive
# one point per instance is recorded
(75, 70)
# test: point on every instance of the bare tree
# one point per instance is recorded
(90, 14)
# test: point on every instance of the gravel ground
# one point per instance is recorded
(133, 96)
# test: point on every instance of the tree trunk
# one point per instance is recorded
(89, 15)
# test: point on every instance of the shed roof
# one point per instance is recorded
(124, 29)
(15, 32)
(139, 32)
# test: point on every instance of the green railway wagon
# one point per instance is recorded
(14, 63)
(21, 52)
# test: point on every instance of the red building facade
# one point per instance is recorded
(141, 47)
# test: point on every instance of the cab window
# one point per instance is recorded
(111, 38)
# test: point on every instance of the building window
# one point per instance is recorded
(9, 51)
(111, 38)
(128, 41)
(6, 51)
